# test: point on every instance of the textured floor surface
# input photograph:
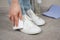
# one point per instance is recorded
(50, 31)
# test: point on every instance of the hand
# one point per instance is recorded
(15, 13)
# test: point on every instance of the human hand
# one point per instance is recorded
(15, 13)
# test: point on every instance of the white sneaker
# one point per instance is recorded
(20, 25)
(35, 19)
(29, 27)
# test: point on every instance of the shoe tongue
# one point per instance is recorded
(32, 14)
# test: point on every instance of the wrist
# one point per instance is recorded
(14, 2)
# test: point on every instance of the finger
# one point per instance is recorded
(12, 20)
(20, 15)
(16, 20)
(10, 17)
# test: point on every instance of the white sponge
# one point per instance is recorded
(20, 25)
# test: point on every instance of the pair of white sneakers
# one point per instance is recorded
(27, 25)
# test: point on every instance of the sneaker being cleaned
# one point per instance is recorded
(30, 27)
